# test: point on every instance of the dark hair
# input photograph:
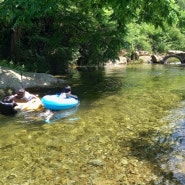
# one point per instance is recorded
(21, 90)
(67, 89)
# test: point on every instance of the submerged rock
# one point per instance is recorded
(95, 162)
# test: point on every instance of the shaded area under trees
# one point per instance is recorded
(47, 35)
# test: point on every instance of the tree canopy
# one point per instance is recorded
(49, 34)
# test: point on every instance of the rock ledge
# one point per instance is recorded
(13, 79)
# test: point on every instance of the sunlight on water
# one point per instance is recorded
(124, 132)
(175, 160)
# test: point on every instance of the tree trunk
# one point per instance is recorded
(15, 44)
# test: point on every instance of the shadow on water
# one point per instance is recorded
(146, 150)
(163, 149)
(93, 85)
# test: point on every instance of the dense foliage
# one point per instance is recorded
(155, 40)
(47, 35)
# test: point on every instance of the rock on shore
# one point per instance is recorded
(13, 79)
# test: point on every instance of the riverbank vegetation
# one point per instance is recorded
(48, 35)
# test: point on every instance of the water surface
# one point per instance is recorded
(129, 129)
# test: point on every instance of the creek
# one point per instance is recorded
(128, 129)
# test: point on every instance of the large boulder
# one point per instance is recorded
(13, 79)
(156, 58)
(122, 60)
(145, 59)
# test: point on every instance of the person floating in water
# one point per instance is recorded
(67, 93)
(25, 100)
(50, 115)
(23, 96)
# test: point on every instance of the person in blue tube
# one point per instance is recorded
(67, 93)
(49, 114)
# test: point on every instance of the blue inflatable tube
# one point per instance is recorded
(54, 102)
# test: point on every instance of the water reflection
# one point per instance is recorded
(121, 136)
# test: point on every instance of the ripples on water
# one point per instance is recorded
(125, 131)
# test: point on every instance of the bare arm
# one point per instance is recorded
(68, 95)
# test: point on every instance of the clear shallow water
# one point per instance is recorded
(129, 129)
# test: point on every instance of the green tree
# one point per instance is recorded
(181, 4)
(54, 32)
